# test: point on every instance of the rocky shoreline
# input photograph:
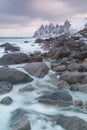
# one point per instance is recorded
(67, 56)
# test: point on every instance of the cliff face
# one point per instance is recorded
(52, 30)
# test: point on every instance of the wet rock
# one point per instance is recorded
(73, 66)
(9, 47)
(81, 55)
(78, 103)
(60, 52)
(74, 77)
(27, 89)
(13, 58)
(62, 84)
(37, 69)
(34, 58)
(82, 88)
(6, 101)
(71, 123)
(26, 41)
(73, 87)
(37, 53)
(59, 68)
(5, 87)
(19, 120)
(61, 98)
(13, 76)
(80, 67)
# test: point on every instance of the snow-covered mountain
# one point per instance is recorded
(51, 30)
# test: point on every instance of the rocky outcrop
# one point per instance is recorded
(13, 76)
(9, 47)
(61, 98)
(13, 58)
(71, 123)
(19, 120)
(84, 32)
(37, 69)
(5, 87)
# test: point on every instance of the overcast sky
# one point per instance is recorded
(23, 17)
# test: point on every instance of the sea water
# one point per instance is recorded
(37, 112)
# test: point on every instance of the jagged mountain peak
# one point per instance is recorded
(52, 30)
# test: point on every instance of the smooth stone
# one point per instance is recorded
(6, 101)
(13, 58)
(13, 76)
(37, 69)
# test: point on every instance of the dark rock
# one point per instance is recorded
(74, 77)
(13, 76)
(74, 66)
(26, 41)
(71, 123)
(27, 89)
(35, 58)
(59, 68)
(78, 103)
(84, 32)
(81, 55)
(9, 47)
(37, 69)
(6, 101)
(13, 58)
(5, 87)
(61, 98)
(60, 52)
(37, 53)
(62, 84)
(19, 120)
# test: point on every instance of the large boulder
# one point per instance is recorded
(5, 87)
(19, 120)
(13, 76)
(61, 98)
(9, 47)
(60, 52)
(37, 69)
(74, 77)
(71, 123)
(13, 58)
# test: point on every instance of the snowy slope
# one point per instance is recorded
(78, 23)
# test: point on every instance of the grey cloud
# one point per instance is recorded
(23, 11)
